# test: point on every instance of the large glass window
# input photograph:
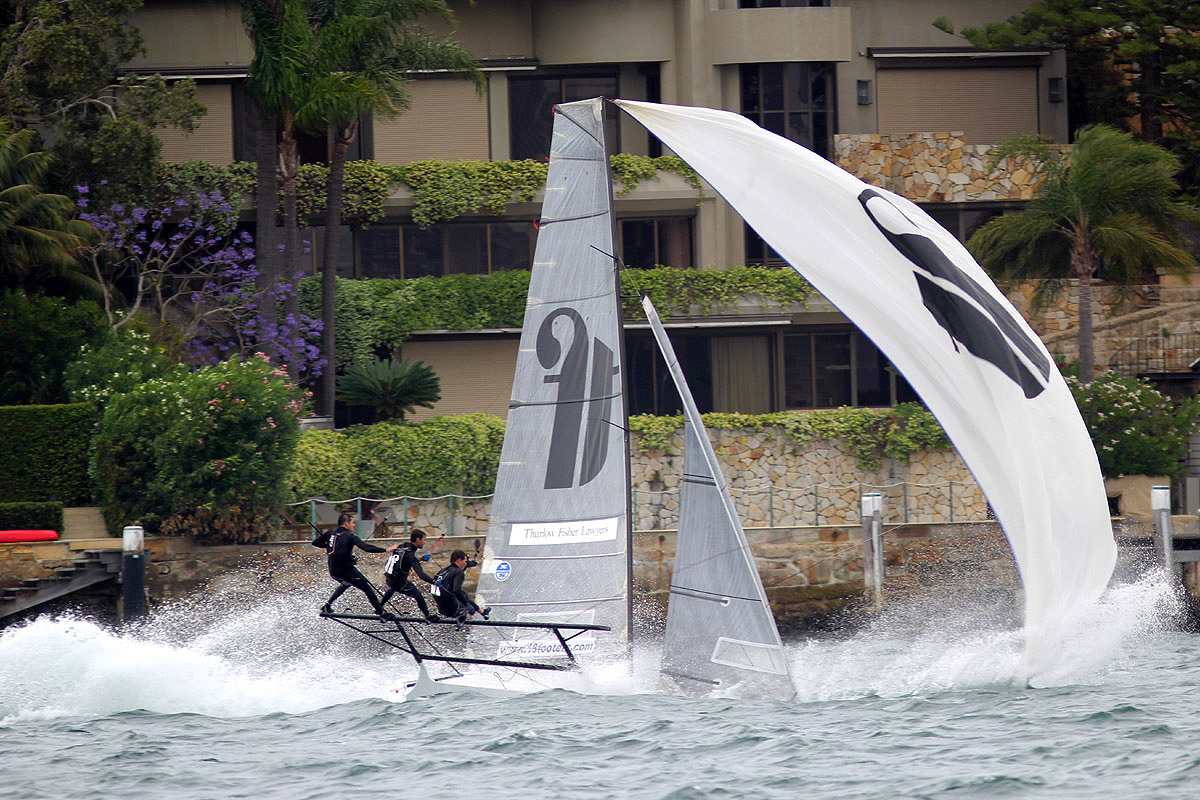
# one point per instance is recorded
(782, 3)
(407, 251)
(651, 389)
(796, 101)
(529, 107)
(664, 241)
(839, 367)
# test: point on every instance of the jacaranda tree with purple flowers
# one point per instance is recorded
(189, 269)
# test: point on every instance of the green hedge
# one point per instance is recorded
(376, 316)
(459, 455)
(46, 516)
(45, 454)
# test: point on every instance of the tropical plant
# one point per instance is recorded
(365, 51)
(1107, 209)
(1136, 429)
(394, 388)
(39, 237)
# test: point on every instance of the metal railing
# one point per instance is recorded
(1172, 352)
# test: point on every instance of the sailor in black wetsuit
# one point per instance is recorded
(402, 560)
(452, 600)
(339, 544)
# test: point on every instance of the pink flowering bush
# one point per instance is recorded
(1136, 429)
(206, 451)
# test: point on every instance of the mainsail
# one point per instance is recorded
(558, 539)
(917, 293)
(720, 631)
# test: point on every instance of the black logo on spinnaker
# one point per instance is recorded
(577, 388)
(975, 318)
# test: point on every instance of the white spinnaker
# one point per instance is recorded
(917, 293)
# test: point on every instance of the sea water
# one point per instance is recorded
(244, 695)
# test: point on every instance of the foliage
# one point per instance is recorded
(366, 189)
(393, 388)
(62, 73)
(127, 358)
(45, 452)
(1136, 429)
(675, 290)
(1133, 64)
(376, 316)
(443, 455)
(39, 239)
(869, 433)
(630, 170)
(190, 268)
(41, 336)
(443, 190)
(208, 451)
(47, 516)
(1108, 209)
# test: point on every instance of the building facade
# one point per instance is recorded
(865, 82)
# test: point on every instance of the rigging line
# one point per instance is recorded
(592, 215)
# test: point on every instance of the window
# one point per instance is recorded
(665, 241)
(407, 251)
(963, 219)
(782, 3)
(530, 101)
(796, 101)
(651, 389)
(839, 367)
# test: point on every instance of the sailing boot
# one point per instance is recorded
(484, 612)
(326, 609)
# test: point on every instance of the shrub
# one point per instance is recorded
(208, 451)
(45, 452)
(1136, 429)
(444, 455)
(32, 516)
(124, 361)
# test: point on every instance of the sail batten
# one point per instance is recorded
(915, 291)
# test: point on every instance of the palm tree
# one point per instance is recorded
(1105, 210)
(39, 237)
(366, 51)
(394, 388)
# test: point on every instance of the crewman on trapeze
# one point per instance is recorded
(404, 559)
(447, 590)
(339, 544)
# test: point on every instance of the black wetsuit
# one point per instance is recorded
(339, 544)
(453, 601)
(403, 560)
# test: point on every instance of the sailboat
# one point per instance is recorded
(720, 632)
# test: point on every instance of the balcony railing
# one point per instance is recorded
(1175, 352)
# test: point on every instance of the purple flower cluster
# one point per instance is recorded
(191, 267)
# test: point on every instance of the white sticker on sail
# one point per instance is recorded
(755, 656)
(570, 532)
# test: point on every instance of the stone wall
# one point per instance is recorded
(774, 482)
(930, 167)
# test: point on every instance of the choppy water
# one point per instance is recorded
(241, 696)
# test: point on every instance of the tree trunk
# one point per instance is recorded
(289, 160)
(333, 219)
(266, 201)
(1083, 265)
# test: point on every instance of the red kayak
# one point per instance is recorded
(28, 536)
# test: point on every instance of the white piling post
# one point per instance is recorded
(872, 533)
(133, 573)
(1160, 506)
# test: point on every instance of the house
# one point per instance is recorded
(870, 83)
